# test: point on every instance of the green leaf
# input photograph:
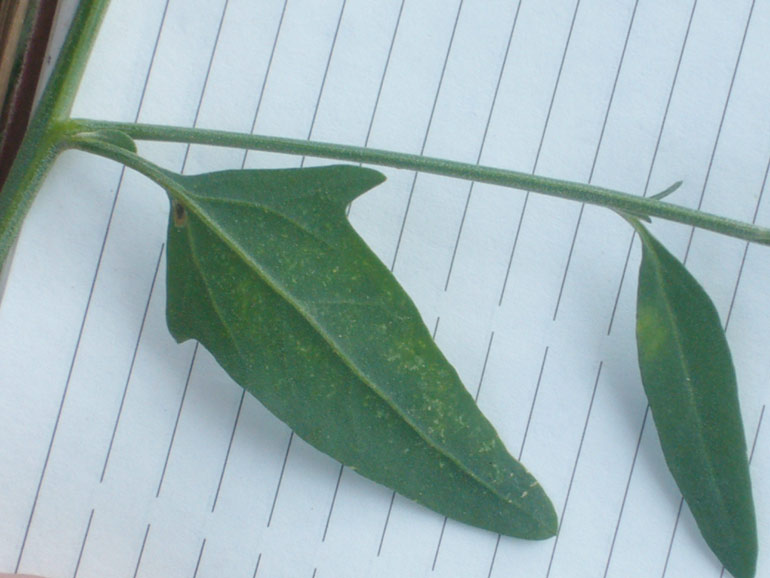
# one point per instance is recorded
(265, 271)
(690, 383)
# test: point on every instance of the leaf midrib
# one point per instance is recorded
(658, 268)
(195, 208)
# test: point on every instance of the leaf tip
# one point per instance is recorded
(739, 556)
(666, 192)
(371, 177)
(551, 522)
(543, 521)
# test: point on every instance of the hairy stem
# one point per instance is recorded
(616, 200)
(43, 139)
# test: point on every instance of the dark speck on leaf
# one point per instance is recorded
(180, 214)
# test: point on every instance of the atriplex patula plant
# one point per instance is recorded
(306, 318)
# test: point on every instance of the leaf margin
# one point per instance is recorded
(659, 265)
(182, 194)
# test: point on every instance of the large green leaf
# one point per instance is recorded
(265, 271)
(690, 383)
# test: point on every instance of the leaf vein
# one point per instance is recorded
(235, 246)
(194, 252)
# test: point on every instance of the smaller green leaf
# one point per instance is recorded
(690, 383)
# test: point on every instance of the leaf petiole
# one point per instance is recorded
(611, 199)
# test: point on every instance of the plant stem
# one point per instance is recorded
(43, 140)
(29, 52)
(88, 143)
(616, 200)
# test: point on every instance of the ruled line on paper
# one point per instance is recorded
(178, 417)
(141, 551)
(756, 433)
(229, 450)
(325, 76)
(334, 500)
(186, 156)
(652, 162)
(596, 157)
(131, 366)
(438, 545)
(574, 468)
(425, 136)
(256, 566)
(673, 535)
(484, 366)
(384, 73)
(200, 557)
(534, 401)
(539, 150)
(379, 88)
(83, 322)
(494, 555)
(387, 520)
(83, 544)
(721, 124)
(280, 478)
(266, 77)
(625, 492)
(205, 81)
(483, 143)
(746, 247)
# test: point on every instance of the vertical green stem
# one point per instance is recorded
(41, 143)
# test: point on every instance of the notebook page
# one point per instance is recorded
(125, 454)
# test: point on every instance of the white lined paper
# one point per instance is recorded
(631, 95)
